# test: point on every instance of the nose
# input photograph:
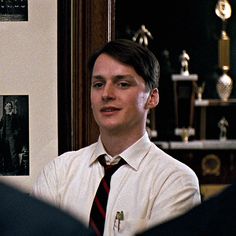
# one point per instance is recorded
(108, 92)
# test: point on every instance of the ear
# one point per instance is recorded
(153, 99)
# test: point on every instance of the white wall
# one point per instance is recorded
(28, 66)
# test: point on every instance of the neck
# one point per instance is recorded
(117, 143)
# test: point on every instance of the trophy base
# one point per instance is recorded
(185, 133)
(182, 77)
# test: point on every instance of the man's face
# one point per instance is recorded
(8, 108)
(118, 96)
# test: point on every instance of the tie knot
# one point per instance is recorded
(110, 169)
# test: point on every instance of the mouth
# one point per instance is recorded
(109, 109)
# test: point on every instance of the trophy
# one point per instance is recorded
(184, 98)
(223, 124)
(184, 58)
(142, 35)
(224, 84)
(199, 90)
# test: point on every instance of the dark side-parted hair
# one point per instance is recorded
(135, 55)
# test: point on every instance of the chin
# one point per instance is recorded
(114, 128)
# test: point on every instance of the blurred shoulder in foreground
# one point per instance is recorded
(22, 214)
(215, 216)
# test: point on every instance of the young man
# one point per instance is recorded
(151, 186)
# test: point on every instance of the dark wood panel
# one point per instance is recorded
(64, 74)
(93, 24)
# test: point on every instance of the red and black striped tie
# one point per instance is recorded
(98, 210)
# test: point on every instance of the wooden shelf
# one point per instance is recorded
(203, 104)
(199, 145)
(214, 102)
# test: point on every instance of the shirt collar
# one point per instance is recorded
(99, 150)
(133, 155)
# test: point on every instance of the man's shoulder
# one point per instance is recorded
(71, 159)
(169, 163)
(80, 154)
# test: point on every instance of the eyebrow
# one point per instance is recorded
(116, 77)
(97, 77)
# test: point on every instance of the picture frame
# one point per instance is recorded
(14, 135)
(13, 10)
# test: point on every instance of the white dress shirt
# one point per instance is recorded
(151, 188)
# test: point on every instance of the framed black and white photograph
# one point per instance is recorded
(14, 135)
(13, 10)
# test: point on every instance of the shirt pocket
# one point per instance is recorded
(129, 226)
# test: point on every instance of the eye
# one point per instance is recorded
(123, 84)
(97, 84)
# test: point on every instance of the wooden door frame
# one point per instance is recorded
(83, 26)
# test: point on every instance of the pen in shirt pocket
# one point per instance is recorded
(118, 219)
